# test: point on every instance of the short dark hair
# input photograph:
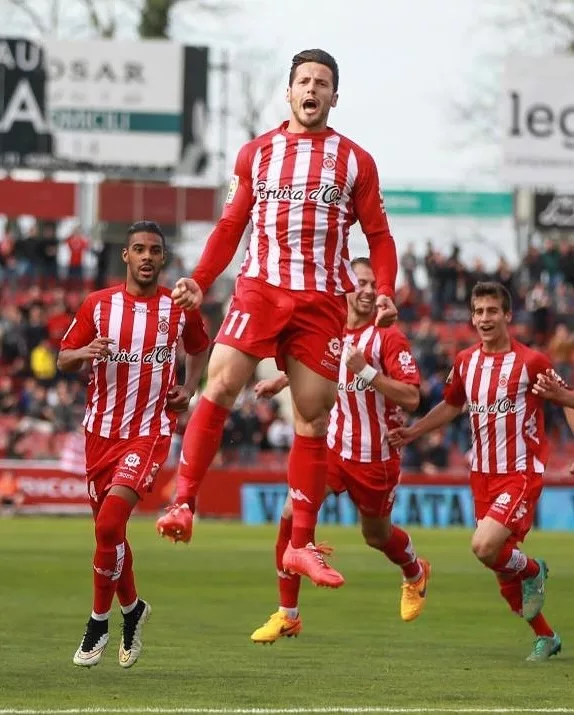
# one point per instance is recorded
(320, 57)
(494, 290)
(361, 261)
(145, 227)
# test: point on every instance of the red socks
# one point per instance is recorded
(200, 444)
(514, 561)
(110, 553)
(511, 591)
(126, 590)
(399, 550)
(540, 626)
(288, 584)
(307, 478)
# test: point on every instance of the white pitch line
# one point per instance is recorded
(272, 711)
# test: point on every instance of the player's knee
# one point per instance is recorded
(376, 539)
(109, 532)
(223, 388)
(484, 550)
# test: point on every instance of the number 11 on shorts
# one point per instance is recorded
(233, 319)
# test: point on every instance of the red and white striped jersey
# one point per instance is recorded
(302, 192)
(362, 417)
(127, 392)
(506, 418)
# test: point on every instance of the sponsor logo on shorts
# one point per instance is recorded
(132, 460)
(334, 347)
(503, 499)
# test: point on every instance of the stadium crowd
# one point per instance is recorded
(44, 279)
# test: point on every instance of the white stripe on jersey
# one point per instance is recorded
(114, 332)
(134, 369)
(322, 217)
(295, 224)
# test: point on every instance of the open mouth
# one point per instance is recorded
(310, 105)
(486, 329)
(146, 271)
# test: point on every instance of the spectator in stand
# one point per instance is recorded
(425, 344)
(280, 434)
(434, 454)
(8, 396)
(13, 347)
(78, 245)
(38, 416)
(533, 266)
(48, 255)
(35, 330)
(409, 263)
(538, 304)
(561, 351)
(551, 264)
(8, 270)
(59, 319)
(26, 251)
(102, 251)
(566, 261)
(43, 362)
(505, 275)
(62, 409)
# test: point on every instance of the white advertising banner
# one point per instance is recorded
(103, 105)
(538, 121)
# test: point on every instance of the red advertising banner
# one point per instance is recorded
(42, 487)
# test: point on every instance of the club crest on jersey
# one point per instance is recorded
(163, 325)
(329, 162)
(503, 381)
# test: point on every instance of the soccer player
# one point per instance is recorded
(378, 378)
(301, 185)
(128, 334)
(509, 452)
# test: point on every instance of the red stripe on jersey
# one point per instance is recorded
(122, 368)
(309, 216)
(101, 383)
(333, 217)
(491, 424)
(475, 417)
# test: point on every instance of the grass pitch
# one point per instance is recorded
(465, 651)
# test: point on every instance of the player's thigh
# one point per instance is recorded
(312, 397)
(513, 501)
(228, 371)
(257, 314)
(314, 333)
(137, 464)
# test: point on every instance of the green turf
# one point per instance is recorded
(467, 650)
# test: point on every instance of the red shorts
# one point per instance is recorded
(510, 499)
(371, 485)
(266, 321)
(132, 463)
